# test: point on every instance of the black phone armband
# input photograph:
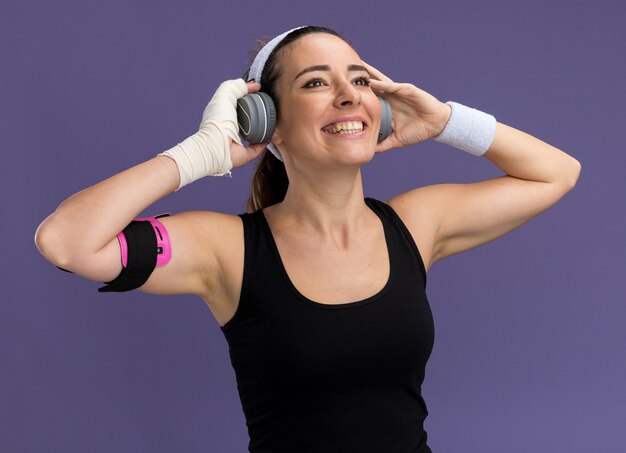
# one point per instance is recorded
(144, 245)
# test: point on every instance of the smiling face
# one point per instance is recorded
(328, 112)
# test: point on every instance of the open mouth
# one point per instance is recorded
(345, 128)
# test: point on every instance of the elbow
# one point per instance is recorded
(48, 243)
(574, 174)
(567, 174)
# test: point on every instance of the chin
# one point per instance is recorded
(355, 155)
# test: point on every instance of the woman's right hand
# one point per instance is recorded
(217, 147)
(222, 110)
(240, 154)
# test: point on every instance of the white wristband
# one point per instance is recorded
(468, 129)
(207, 152)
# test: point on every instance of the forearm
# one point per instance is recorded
(88, 220)
(523, 156)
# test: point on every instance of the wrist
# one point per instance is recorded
(468, 129)
(444, 117)
(205, 153)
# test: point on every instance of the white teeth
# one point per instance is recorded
(348, 127)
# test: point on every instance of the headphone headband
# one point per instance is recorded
(256, 70)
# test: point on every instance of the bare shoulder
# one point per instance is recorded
(219, 236)
(222, 235)
(420, 210)
(204, 245)
(214, 228)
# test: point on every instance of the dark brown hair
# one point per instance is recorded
(270, 182)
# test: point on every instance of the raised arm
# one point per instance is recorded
(452, 218)
(80, 235)
(466, 216)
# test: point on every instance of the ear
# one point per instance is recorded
(276, 136)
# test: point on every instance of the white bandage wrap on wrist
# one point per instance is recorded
(207, 152)
(468, 129)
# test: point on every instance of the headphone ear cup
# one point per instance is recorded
(385, 120)
(270, 115)
(256, 116)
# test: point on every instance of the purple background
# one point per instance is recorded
(530, 342)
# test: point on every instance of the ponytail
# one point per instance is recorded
(269, 185)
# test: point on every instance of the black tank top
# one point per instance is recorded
(319, 378)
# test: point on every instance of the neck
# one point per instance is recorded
(327, 205)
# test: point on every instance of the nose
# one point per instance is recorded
(347, 96)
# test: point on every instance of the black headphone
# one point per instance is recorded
(256, 116)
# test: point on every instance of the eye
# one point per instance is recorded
(363, 80)
(314, 83)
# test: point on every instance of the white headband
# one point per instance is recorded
(257, 69)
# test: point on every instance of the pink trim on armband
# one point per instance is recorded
(121, 237)
(164, 246)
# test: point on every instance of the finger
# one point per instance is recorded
(373, 71)
(382, 87)
(253, 87)
(256, 148)
(376, 73)
(241, 155)
(386, 145)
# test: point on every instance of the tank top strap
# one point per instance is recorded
(258, 267)
(391, 217)
(250, 239)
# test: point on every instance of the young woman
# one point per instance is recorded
(319, 290)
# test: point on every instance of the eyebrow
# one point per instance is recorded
(325, 67)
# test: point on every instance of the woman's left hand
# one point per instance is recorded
(416, 114)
